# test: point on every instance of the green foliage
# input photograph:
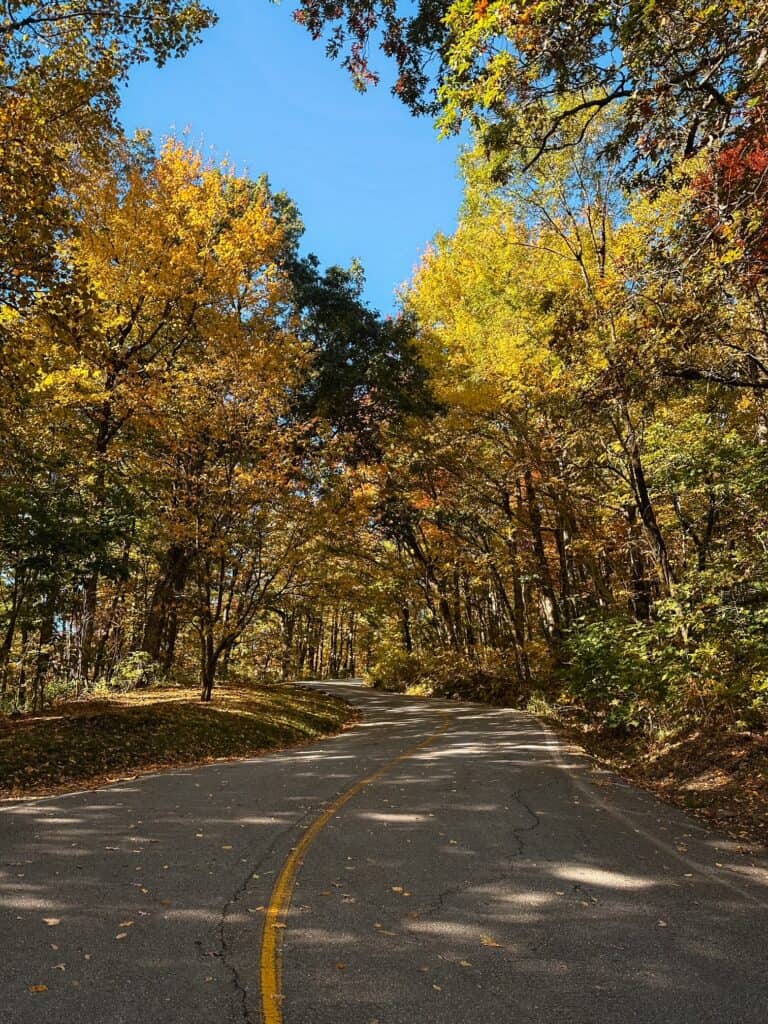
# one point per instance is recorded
(679, 72)
(136, 671)
(615, 668)
(396, 670)
(694, 663)
(489, 677)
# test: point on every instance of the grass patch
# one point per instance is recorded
(95, 741)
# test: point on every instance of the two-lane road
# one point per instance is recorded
(444, 863)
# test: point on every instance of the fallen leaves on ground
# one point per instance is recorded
(718, 775)
(91, 741)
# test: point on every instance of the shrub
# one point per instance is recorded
(489, 678)
(695, 662)
(136, 671)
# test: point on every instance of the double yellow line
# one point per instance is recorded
(280, 901)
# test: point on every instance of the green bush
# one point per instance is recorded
(395, 670)
(618, 671)
(137, 671)
(696, 662)
(489, 678)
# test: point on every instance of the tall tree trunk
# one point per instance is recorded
(208, 661)
(640, 592)
(10, 631)
(165, 596)
(645, 504)
(550, 611)
(288, 622)
(405, 626)
(44, 648)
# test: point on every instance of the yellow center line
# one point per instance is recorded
(280, 901)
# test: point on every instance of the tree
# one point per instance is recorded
(61, 65)
(525, 74)
(367, 373)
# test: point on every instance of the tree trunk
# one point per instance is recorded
(158, 629)
(550, 611)
(44, 649)
(640, 593)
(405, 622)
(645, 504)
(208, 662)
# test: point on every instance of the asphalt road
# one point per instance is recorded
(491, 876)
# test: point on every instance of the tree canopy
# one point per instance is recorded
(543, 479)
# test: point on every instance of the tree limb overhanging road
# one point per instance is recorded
(444, 863)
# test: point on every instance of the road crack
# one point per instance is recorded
(226, 952)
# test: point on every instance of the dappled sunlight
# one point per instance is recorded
(399, 819)
(475, 852)
(602, 878)
(327, 937)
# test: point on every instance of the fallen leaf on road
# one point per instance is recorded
(38, 988)
(486, 940)
(227, 847)
(437, 988)
(51, 921)
(341, 967)
(122, 935)
(59, 967)
(397, 888)
(662, 924)
(126, 924)
(464, 963)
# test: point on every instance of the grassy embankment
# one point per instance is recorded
(88, 742)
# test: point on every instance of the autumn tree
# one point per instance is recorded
(525, 74)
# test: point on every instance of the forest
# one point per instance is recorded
(542, 484)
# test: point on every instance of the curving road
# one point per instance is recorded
(446, 863)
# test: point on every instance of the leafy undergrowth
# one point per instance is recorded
(718, 775)
(94, 741)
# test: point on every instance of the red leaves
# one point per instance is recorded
(733, 197)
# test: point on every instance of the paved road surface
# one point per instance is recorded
(493, 876)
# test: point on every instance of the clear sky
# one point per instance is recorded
(370, 180)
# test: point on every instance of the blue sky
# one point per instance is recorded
(370, 180)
